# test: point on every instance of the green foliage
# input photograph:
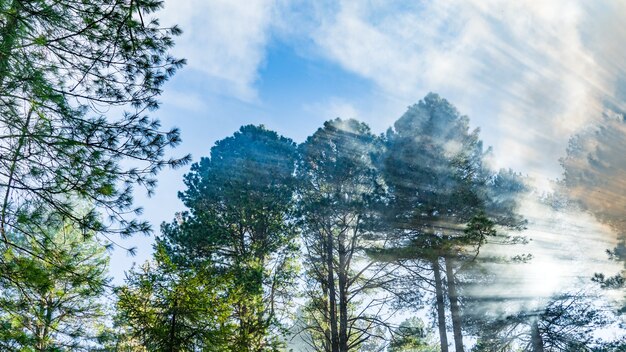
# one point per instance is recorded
(163, 307)
(240, 203)
(337, 171)
(62, 64)
(428, 161)
(436, 171)
(412, 336)
(65, 68)
(51, 297)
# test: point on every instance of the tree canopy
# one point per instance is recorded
(76, 82)
(240, 202)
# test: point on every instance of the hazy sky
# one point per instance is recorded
(528, 73)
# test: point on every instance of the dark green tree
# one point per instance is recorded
(51, 298)
(445, 200)
(240, 202)
(339, 190)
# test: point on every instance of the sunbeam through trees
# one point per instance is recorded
(319, 214)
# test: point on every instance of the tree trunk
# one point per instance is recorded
(328, 338)
(332, 295)
(9, 33)
(42, 327)
(441, 309)
(342, 276)
(454, 306)
(535, 337)
(244, 327)
(47, 323)
(172, 337)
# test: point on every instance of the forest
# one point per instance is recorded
(409, 240)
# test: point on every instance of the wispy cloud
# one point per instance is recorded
(527, 71)
(223, 40)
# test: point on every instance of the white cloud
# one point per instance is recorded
(524, 71)
(223, 40)
(401, 49)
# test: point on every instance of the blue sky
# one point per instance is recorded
(528, 73)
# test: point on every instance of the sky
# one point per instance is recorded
(529, 74)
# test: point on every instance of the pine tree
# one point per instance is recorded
(240, 202)
(51, 299)
(76, 82)
(165, 308)
(445, 200)
(339, 190)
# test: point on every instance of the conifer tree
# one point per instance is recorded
(165, 308)
(51, 299)
(77, 80)
(339, 190)
(239, 221)
(445, 200)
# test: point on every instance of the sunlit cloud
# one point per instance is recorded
(526, 72)
(223, 40)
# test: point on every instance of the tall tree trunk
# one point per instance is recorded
(328, 338)
(9, 33)
(244, 327)
(343, 301)
(260, 313)
(39, 343)
(47, 324)
(39, 327)
(332, 295)
(535, 337)
(454, 306)
(172, 337)
(441, 309)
